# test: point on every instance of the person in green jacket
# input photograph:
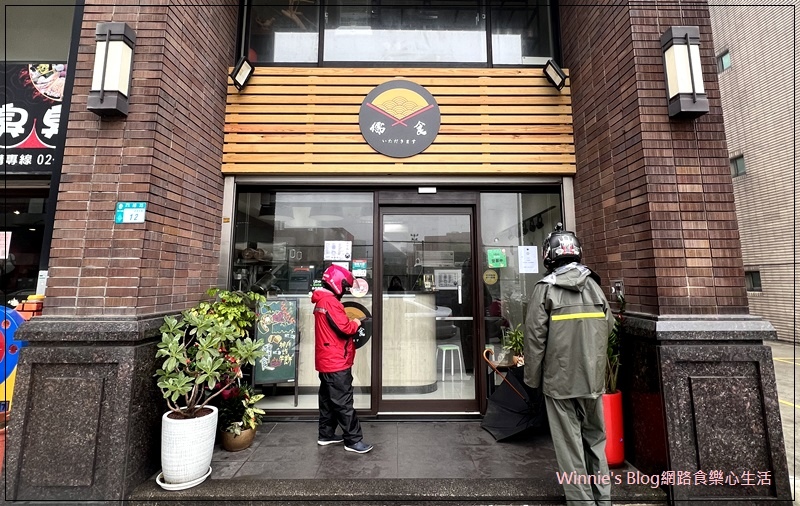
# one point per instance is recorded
(566, 335)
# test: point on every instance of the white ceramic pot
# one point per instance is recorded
(186, 448)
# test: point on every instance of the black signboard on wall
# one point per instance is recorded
(276, 324)
(30, 117)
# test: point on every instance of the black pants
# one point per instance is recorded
(336, 406)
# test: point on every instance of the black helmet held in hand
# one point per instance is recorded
(561, 247)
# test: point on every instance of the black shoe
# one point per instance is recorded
(325, 441)
(360, 447)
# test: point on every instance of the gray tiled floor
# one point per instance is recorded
(402, 450)
(414, 462)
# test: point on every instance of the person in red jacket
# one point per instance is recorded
(334, 352)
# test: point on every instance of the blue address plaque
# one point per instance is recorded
(130, 212)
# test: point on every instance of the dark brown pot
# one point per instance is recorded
(234, 443)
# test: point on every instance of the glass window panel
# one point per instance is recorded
(284, 31)
(723, 61)
(26, 26)
(22, 235)
(521, 34)
(737, 166)
(427, 308)
(753, 281)
(434, 31)
(513, 228)
(279, 249)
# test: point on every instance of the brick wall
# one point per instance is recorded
(759, 125)
(167, 152)
(654, 199)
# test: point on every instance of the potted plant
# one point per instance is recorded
(514, 341)
(203, 352)
(239, 417)
(612, 399)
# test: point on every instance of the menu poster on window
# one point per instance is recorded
(276, 325)
(338, 250)
(30, 117)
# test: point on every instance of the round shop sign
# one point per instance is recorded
(399, 119)
(490, 276)
(356, 310)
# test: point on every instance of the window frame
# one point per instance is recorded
(750, 278)
(736, 170)
(721, 61)
(485, 7)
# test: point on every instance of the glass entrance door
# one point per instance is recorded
(428, 339)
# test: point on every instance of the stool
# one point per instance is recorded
(447, 349)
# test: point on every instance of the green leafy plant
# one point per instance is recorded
(237, 308)
(238, 411)
(515, 340)
(613, 349)
(204, 350)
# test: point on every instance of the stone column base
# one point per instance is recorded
(85, 424)
(701, 408)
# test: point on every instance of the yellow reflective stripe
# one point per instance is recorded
(575, 316)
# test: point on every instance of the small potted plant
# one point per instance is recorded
(239, 417)
(203, 353)
(514, 342)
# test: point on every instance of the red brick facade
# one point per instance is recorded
(167, 153)
(654, 197)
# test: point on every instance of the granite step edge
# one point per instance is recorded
(497, 491)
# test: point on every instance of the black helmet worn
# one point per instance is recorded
(561, 247)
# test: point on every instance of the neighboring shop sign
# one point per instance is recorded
(30, 117)
(399, 119)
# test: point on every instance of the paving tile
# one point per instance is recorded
(439, 433)
(300, 434)
(381, 462)
(223, 470)
(288, 467)
(436, 461)
(498, 462)
(221, 454)
(307, 451)
(380, 433)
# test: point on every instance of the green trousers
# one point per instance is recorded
(579, 438)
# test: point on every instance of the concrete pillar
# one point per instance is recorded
(657, 212)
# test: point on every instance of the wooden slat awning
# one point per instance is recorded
(305, 121)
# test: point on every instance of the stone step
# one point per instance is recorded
(376, 492)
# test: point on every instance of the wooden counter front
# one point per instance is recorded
(409, 344)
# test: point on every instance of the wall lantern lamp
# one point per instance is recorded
(554, 74)
(113, 62)
(241, 73)
(686, 95)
